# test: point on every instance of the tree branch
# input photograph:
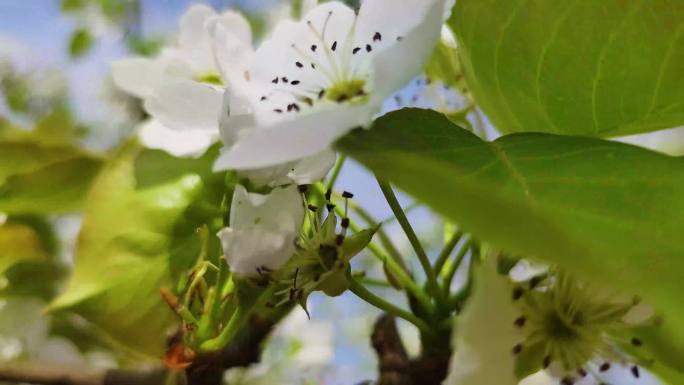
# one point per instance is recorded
(52, 374)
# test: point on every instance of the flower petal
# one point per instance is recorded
(185, 143)
(409, 39)
(192, 26)
(485, 334)
(305, 171)
(293, 139)
(247, 250)
(186, 104)
(232, 52)
(281, 210)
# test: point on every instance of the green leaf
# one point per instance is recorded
(19, 243)
(40, 172)
(594, 68)
(610, 211)
(138, 233)
(80, 43)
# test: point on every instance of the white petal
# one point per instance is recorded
(186, 105)
(539, 378)
(247, 250)
(409, 39)
(192, 26)
(485, 334)
(313, 168)
(236, 24)
(281, 210)
(137, 76)
(180, 143)
(232, 52)
(293, 139)
(305, 171)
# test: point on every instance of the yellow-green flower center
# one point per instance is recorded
(347, 91)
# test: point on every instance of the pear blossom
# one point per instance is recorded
(263, 230)
(181, 87)
(314, 80)
(549, 329)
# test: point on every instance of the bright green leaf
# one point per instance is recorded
(137, 234)
(19, 243)
(80, 43)
(611, 211)
(595, 68)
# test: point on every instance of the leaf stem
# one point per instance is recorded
(446, 251)
(335, 172)
(453, 267)
(362, 292)
(412, 237)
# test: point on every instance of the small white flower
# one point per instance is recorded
(316, 79)
(182, 86)
(263, 230)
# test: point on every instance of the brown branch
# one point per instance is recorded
(52, 374)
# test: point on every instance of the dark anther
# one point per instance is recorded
(308, 101)
(328, 194)
(377, 36)
(400, 38)
(321, 94)
(334, 46)
(547, 362)
(343, 98)
(330, 207)
(302, 188)
(339, 240)
(520, 321)
(368, 48)
(284, 79)
(604, 367)
(275, 81)
(263, 98)
(312, 208)
(313, 48)
(360, 93)
(517, 349)
(296, 107)
(299, 65)
(568, 381)
(635, 371)
(356, 50)
(347, 194)
(636, 342)
(289, 107)
(278, 110)
(345, 223)
(535, 281)
(295, 82)
(582, 372)
(518, 293)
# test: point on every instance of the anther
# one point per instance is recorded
(339, 240)
(334, 46)
(635, 371)
(568, 381)
(368, 48)
(263, 98)
(377, 36)
(520, 322)
(299, 65)
(636, 342)
(328, 194)
(604, 367)
(345, 223)
(295, 82)
(321, 94)
(275, 81)
(330, 207)
(284, 79)
(518, 293)
(278, 110)
(302, 188)
(517, 349)
(347, 195)
(312, 208)
(535, 281)
(313, 48)
(356, 50)
(582, 372)
(547, 362)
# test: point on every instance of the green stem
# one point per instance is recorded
(453, 267)
(335, 173)
(385, 240)
(412, 237)
(236, 322)
(360, 291)
(446, 251)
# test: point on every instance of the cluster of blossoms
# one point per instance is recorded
(277, 108)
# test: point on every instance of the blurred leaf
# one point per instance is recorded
(144, 46)
(444, 66)
(19, 243)
(80, 43)
(72, 5)
(138, 232)
(611, 211)
(593, 68)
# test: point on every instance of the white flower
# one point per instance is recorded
(263, 230)
(182, 86)
(316, 79)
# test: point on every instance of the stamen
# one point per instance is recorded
(368, 48)
(334, 46)
(299, 64)
(635, 371)
(377, 36)
(604, 367)
(356, 50)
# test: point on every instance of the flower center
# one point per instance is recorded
(210, 78)
(347, 91)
